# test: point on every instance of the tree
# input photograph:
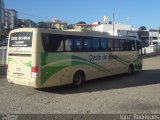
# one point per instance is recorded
(70, 26)
(159, 29)
(142, 28)
(81, 22)
(20, 24)
(42, 25)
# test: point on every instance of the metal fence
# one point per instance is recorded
(151, 50)
(3, 53)
(157, 49)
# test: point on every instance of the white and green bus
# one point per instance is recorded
(40, 57)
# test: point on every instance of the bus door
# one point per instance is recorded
(139, 49)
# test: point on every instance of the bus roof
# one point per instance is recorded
(74, 32)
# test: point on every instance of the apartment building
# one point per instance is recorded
(128, 33)
(59, 25)
(25, 23)
(154, 37)
(91, 27)
(10, 19)
(112, 27)
(2, 5)
(149, 37)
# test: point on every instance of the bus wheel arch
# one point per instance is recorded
(130, 69)
(78, 78)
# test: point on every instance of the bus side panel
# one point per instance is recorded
(59, 68)
(124, 59)
(50, 70)
(93, 64)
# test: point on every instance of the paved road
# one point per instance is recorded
(139, 93)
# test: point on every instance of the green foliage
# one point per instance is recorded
(142, 28)
(81, 22)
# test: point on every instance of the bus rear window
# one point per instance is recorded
(21, 39)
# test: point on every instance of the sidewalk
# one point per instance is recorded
(151, 63)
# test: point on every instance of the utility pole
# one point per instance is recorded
(113, 24)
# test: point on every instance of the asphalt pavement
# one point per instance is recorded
(121, 94)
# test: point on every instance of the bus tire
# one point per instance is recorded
(130, 69)
(78, 79)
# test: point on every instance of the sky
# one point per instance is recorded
(133, 12)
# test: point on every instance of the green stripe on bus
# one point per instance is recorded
(49, 66)
(29, 63)
(60, 56)
(51, 70)
(137, 63)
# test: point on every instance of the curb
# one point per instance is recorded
(151, 55)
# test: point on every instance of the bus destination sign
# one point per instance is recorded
(21, 39)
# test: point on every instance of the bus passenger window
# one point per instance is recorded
(76, 44)
(52, 43)
(87, 44)
(96, 43)
(68, 45)
(104, 44)
(126, 45)
(116, 45)
(129, 45)
(132, 45)
(121, 45)
(138, 45)
(110, 45)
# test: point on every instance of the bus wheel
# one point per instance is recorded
(78, 79)
(130, 70)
